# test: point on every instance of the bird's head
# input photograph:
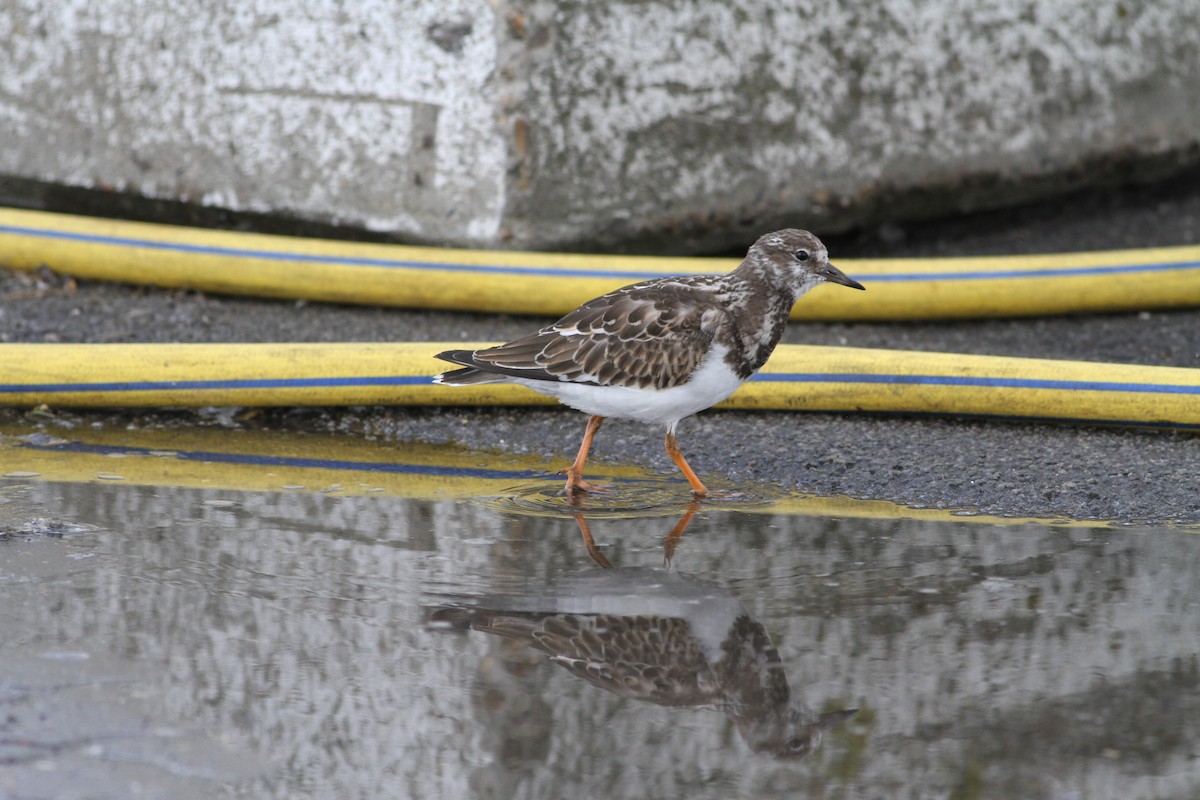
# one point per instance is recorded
(796, 259)
(790, 732)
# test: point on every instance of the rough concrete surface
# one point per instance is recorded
(375, 114)
(678, 126)
(996, 467)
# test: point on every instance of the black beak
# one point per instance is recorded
(835, 275)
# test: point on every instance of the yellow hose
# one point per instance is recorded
(800, 378)
(553, 283)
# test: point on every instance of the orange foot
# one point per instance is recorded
(577, 485)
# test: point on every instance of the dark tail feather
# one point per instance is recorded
(462, 377)
(465, 358)
(467, 376)
(513, 625)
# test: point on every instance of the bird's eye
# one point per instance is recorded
(801, 255)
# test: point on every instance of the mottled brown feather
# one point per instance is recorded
(645, 335)
(650, 658)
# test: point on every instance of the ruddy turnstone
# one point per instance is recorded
(663, 349)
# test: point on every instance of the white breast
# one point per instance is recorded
(711, 383)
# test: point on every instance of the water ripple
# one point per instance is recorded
(635, 498)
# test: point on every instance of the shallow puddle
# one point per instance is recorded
(242, 616)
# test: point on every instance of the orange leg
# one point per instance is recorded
(590, 544)
(672, 539)
(574, 473)
(677, 456)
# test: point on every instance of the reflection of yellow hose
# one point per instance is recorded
(801, 378)
(553, 283)
(265, 461)
(259, 461)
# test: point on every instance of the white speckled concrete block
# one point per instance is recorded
(557, 123)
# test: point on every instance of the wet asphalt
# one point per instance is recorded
(994, 467)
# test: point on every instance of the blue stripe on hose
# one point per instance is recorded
(772, 377)
(1047, 272)
(563, 272)
(963, 380)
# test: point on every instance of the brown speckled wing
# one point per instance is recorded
(651, 334)
(649, 658)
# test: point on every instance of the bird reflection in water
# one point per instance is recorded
(659, 636)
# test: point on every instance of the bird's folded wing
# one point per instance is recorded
(619, 339)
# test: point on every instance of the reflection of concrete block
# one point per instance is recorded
(559, 122)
